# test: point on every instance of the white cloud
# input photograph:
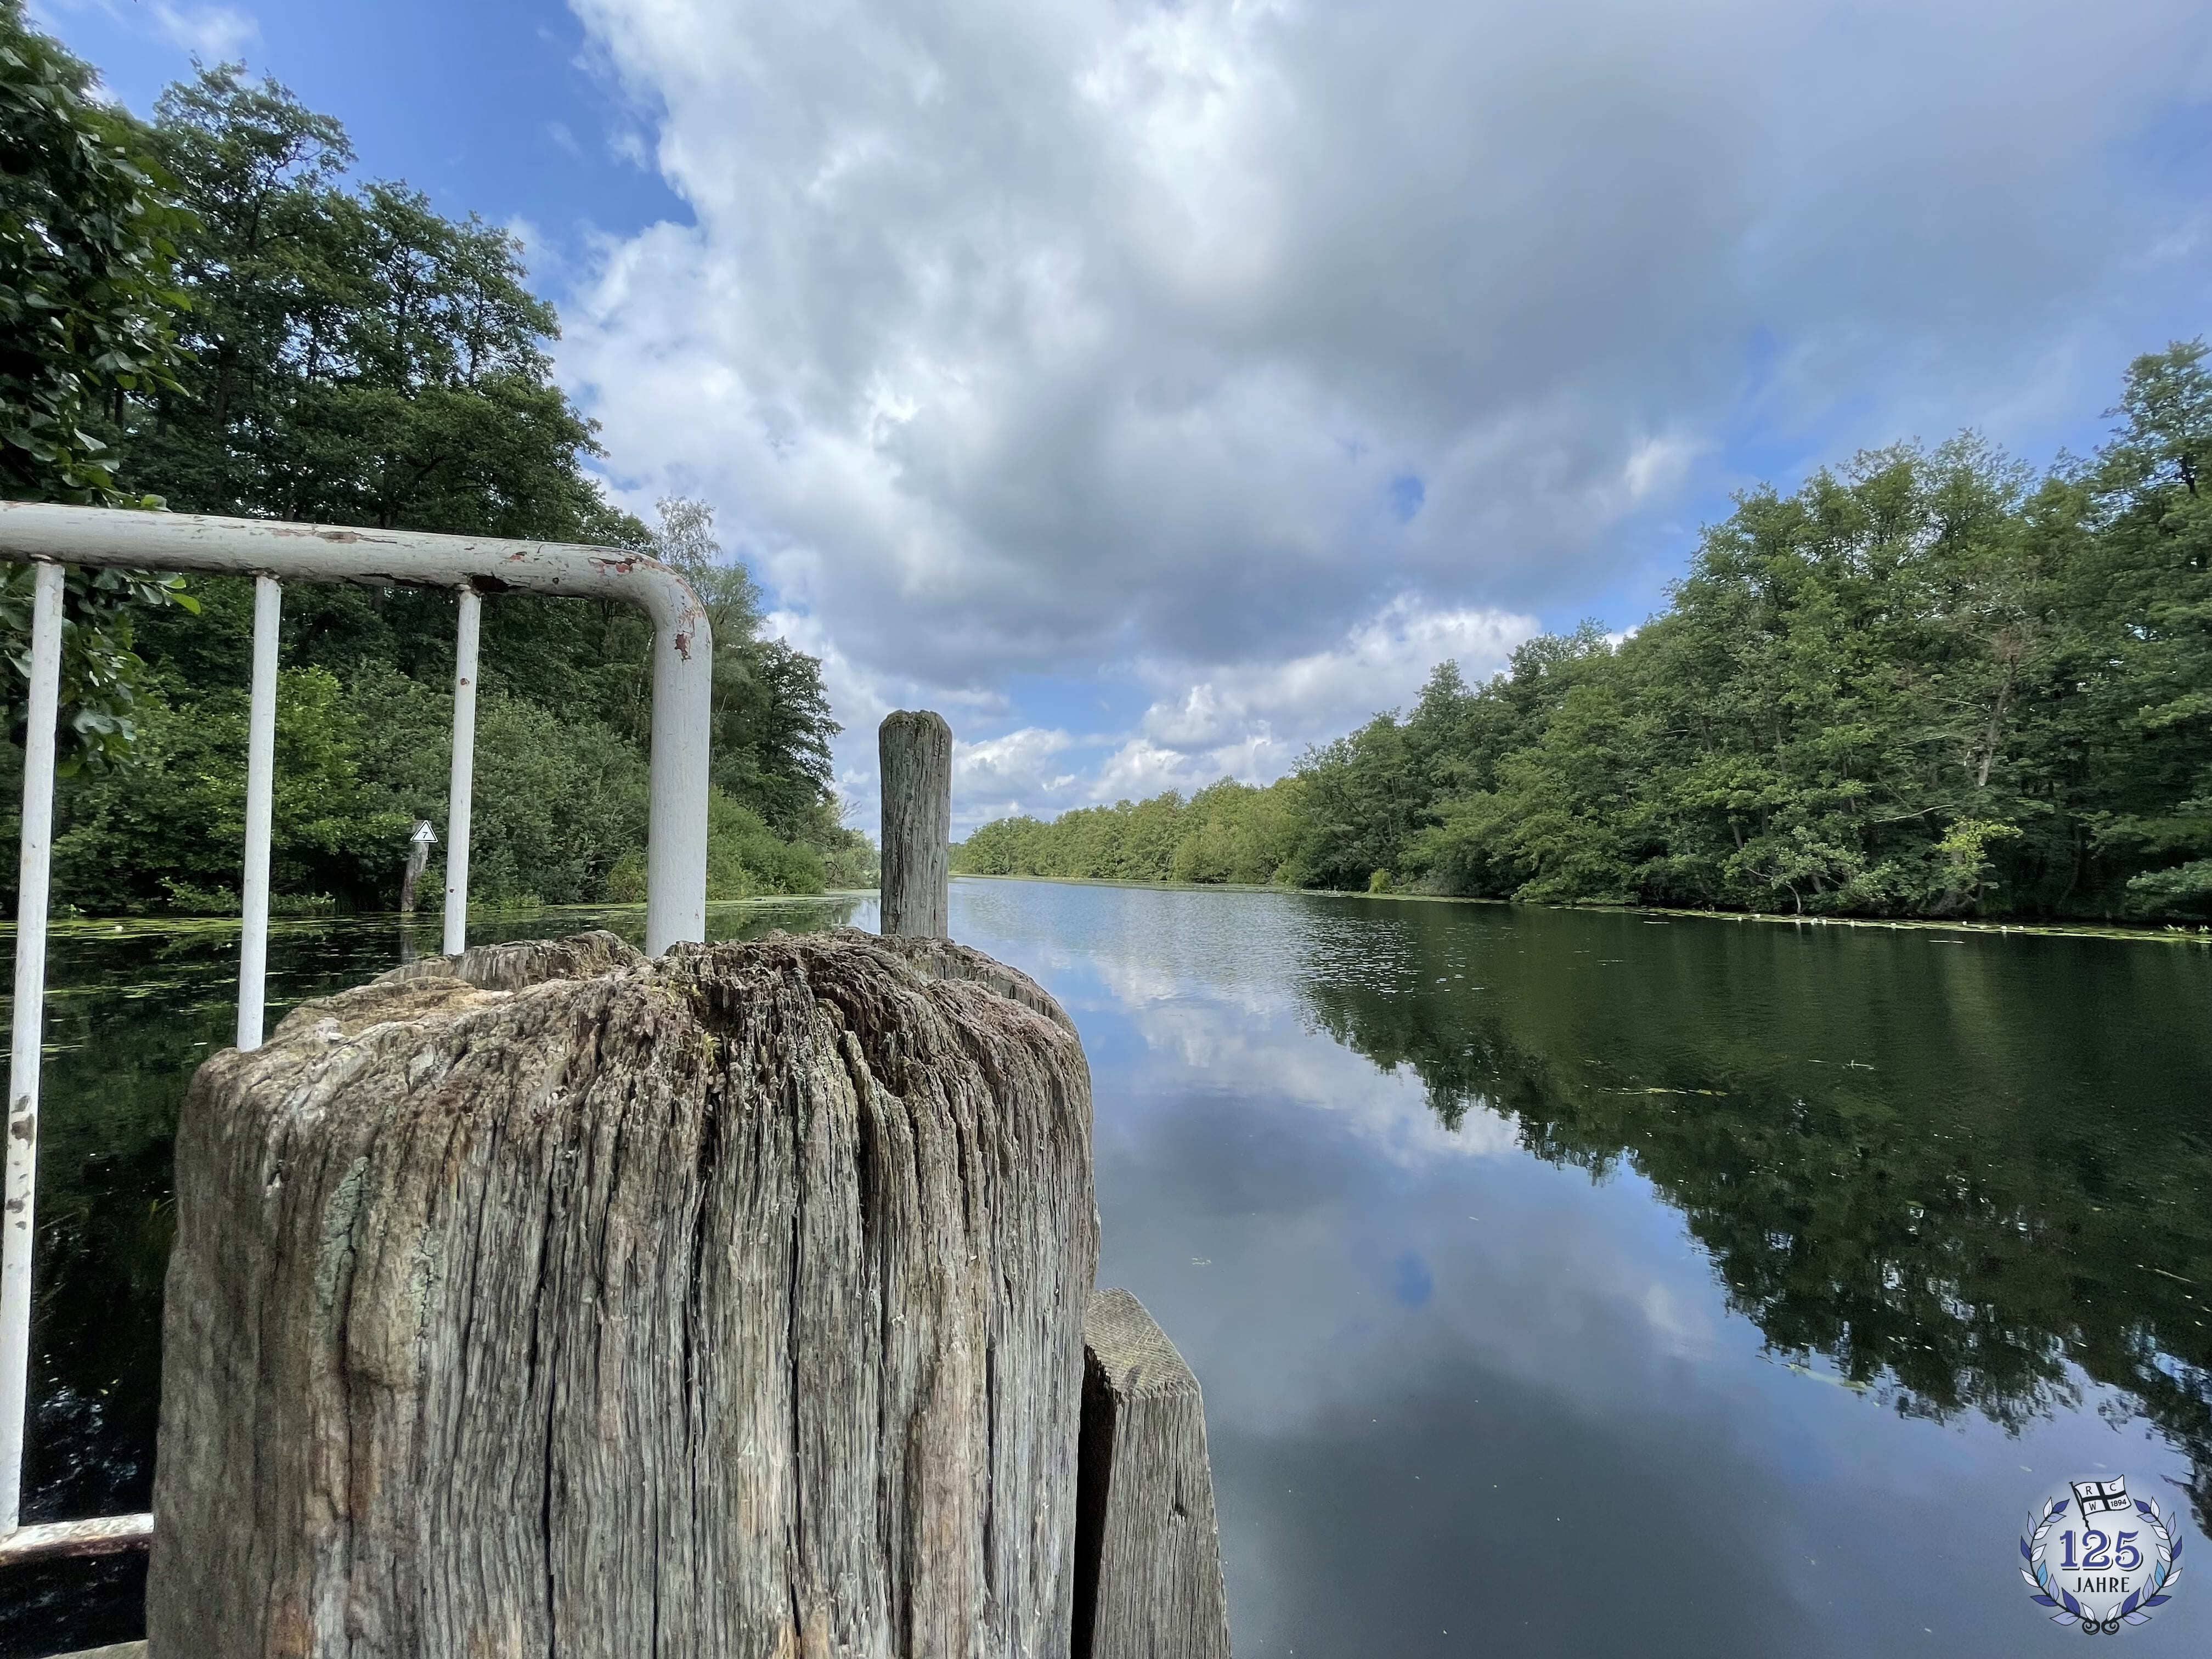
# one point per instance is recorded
(1153, 342)
(214, 34)
(1005, 775)
(1377, 665)
(1250, 721)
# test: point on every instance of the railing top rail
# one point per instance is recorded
(414, 558)
(683, 666)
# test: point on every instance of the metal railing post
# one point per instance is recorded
(260, 791)
(461, 792)
(17, 1239)
(683, 719)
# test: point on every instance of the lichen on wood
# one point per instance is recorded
(551, 1301)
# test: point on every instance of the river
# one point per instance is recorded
(1561, 1282)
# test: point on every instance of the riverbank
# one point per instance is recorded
(183, 926)
(186, 926)
(2162, 932)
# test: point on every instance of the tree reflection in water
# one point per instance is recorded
(1956, 1172)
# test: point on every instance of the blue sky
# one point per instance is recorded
(1157, 388)
(490, 107)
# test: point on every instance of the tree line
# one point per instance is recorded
(1927, 682)
(208, 313)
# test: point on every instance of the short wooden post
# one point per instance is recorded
(1148, 1553)
(915, 752)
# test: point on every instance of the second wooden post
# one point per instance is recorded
(915, 754)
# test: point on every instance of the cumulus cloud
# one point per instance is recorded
(1002, 776)
(1250, 721)
(1164, 341)
(1379, 663)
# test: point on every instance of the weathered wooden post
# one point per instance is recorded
(551, 1301)
(418, 856)
(546, 1300)
(915, 754)
(1148, 1557)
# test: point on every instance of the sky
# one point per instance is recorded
(1156, 389)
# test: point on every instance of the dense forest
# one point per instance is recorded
(207, 313)
(1928, 683)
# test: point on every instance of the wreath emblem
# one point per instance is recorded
(2046, 1589)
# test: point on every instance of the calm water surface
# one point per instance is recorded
(1562, 1283)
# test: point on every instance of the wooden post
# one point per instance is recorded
(915, 751)
(418, 856)
(1147, 1555)
(549, 1300)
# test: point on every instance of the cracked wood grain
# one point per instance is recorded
(1148, 1558)
(552, 1302)
(914, 753)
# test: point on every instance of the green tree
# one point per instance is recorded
(341, 352)
(87, 294)
(2151, 582)
(1234, 832)
(88, 308)
(357, 357)
(1364, 799)
(166, 833)
(771, 715)
(1923, 683)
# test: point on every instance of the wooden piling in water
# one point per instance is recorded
(552, 1300)
(418, 859)
(915, 752)
(740, 1301)
(1147, 1554)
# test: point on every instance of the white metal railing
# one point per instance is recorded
(52, 537)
